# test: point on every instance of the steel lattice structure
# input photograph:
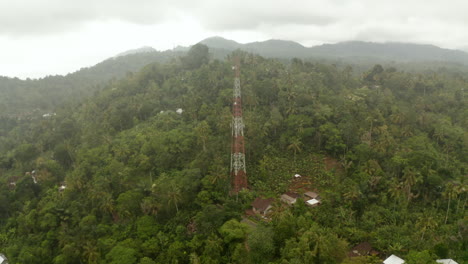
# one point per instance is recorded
(238, 169)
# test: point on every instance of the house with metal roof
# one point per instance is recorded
(3, 259)
(312, 195)
(290, 198)
(262, 206)
(446, 261)
(362, 249)
(394, 260)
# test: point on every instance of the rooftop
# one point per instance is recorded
(393, 260)
(446, 261)
(292, 194)
(362, 249)
(288, 199)
(312, 195)
(313, 202)
(262, 204)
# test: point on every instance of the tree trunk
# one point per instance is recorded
(448, 208)
(458, 204)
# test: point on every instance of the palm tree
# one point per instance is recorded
(295, 146)
(108, 205)
(291, 108)
(460, 189)
(174, 196)
(396, 247)
(396, 190)
(398, 118)
(439, 134)
(91, 253)
(353, 194)
(149, 206)
(410, 178)
(346, 164)
(281, 211)
(426, 223)
(203, 131)
(450, 192)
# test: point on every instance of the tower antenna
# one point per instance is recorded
(238, 169)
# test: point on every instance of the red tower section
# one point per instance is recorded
(238, 170)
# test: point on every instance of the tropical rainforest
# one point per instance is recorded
(118, 175)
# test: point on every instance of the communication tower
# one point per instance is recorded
(238, 169)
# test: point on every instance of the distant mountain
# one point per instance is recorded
(221, 43)
(351, 50)
(391, 51)
(273, 47)
(143, 49)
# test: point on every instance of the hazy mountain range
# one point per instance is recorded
(399, 52)
(143, 49)
(45, 94)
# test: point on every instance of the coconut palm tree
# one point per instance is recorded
(174, 195)
(295, 145)
(449, 193)
(91, 253)
(410, 178)
(149, 206)
(426, 223)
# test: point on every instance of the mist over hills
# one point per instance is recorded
(49, 92)
(144, 49)
(391, 51)
(20, 98)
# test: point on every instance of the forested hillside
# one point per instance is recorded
(34, 97)
(124, 178)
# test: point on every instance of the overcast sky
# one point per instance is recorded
(48, 37)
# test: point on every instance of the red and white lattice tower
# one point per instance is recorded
(238, 170)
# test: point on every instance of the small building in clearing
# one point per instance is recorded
(3, 259)
(313, 198)
(262, 206)
(312, 195)
(446, 261)
(312, 202)
(362, 249)
(393, 260)
(290, 198)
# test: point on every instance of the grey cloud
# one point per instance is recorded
(247, 19)
(250, 15)
(23, 17)
(308, 21)
(51, 16)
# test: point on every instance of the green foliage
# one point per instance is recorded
(196, 56)
(422, 257)
(121, 254)
(362, 260)
(146, 260)
(260, 242)
(232, 230)
(147, 227)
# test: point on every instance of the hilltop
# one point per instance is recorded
(350, 50)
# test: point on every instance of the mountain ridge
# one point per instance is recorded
(143, 49)
(398, 51)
